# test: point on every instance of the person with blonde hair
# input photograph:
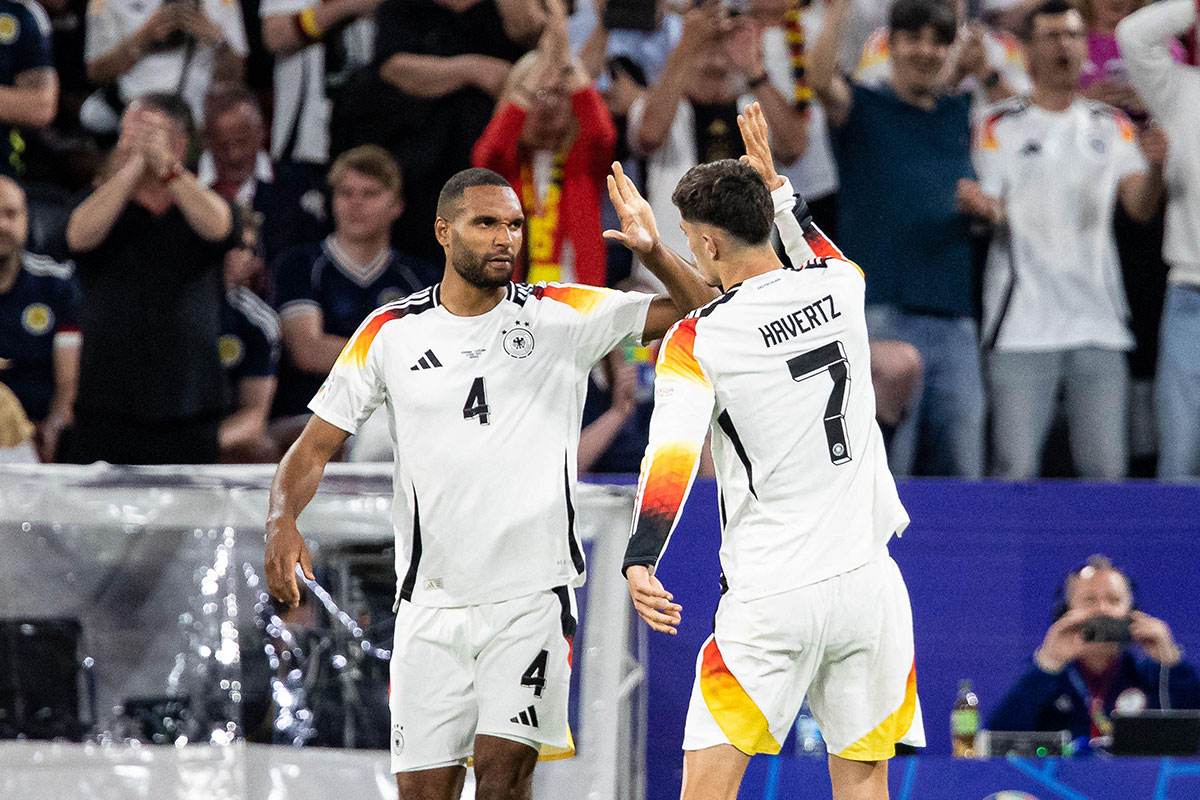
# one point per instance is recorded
(324, 290)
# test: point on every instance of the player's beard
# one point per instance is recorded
(472, 267)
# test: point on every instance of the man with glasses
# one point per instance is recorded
(1052, 166)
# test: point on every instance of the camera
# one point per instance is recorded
(1106, 629)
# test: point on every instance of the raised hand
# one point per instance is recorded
(753, 125)
(652, 601)
(639, 231)
(1064, 641)
(1155, 638)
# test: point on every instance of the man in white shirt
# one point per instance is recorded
(1052, 167)
(152, 46)
(483, 382)
(1172, 94)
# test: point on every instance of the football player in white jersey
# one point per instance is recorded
(483, 381)
(779, 367)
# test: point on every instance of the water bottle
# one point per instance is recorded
(964, 721)
(808, 734)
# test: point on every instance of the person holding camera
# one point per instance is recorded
(1086, 666)
(169, 46)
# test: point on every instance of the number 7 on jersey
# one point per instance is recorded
(831, 357)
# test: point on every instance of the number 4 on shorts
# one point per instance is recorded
(831, 357)
(535, 675)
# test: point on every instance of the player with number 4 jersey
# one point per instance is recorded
(483, 381)
(779, 368)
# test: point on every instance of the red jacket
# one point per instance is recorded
(584, 171)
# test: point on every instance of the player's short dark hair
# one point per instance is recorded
(913, 16)
(730, 195)
(452, 192)
(173, 105)
(1048, 8)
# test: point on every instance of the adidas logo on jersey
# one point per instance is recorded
(428, 361)
(526, 717)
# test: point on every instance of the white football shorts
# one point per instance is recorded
(500, 669)
(846, 642)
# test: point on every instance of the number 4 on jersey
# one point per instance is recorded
(831, 357)
(476, 406)
(535, 675)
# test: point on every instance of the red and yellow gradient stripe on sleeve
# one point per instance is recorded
(880, 743)
(738, 716)
(584, 299)
(354, 354)
(671, 460)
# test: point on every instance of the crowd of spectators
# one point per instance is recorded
(205, 197)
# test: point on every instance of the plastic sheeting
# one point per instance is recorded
(34, 770)
(162, 567)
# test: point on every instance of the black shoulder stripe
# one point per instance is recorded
(710, 307)
(519, 293)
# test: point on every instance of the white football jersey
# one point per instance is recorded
(485, 414)
(1053, 278)
(780, 367)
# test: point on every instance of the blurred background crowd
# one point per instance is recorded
(204, 198)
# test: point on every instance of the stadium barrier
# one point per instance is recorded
(135, 629)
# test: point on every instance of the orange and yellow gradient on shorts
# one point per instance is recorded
(739, 718)
(880, 743)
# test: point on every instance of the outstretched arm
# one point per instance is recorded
(800, 236)
(639, 232)
(684, 400)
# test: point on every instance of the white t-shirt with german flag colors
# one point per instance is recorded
(779, 367)
(485, 414)
(1053, 278)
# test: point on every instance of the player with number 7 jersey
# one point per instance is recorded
(779, 368)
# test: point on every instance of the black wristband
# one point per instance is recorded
(757, 81)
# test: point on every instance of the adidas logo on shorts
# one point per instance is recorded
(526, 717)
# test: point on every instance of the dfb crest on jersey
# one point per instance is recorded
(397, 739)
(518, 340)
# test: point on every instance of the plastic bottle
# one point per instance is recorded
(964, 721)
(809, 741)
